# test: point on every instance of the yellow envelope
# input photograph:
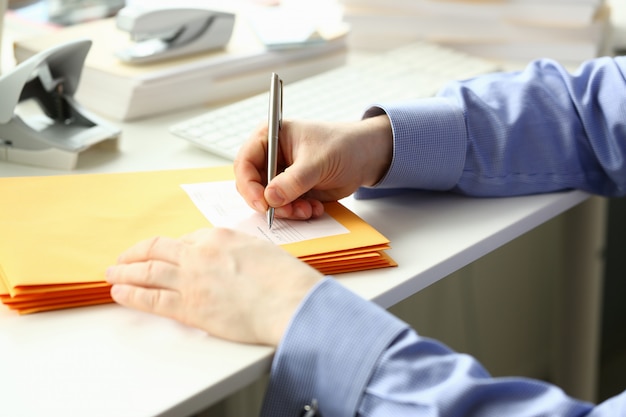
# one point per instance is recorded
(60, 233)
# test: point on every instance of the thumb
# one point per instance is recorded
(290, 184)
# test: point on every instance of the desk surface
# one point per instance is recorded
(108, 360)
(111, 361)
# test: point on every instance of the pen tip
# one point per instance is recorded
(270, 217)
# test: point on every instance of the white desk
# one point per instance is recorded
(111, 361)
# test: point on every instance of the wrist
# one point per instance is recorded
(284, 307)
(379, 147)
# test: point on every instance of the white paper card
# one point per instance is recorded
(222, 205)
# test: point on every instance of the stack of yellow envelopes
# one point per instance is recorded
(361, 249)
(60, 233)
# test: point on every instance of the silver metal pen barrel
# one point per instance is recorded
(274, 123)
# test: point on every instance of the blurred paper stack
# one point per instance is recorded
(290, 41)
(505, 30)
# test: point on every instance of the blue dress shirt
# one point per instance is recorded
(534, 131)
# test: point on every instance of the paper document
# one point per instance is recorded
(222, 205)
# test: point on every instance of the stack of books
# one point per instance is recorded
(60, 233)
(569, 31)
(122, 92)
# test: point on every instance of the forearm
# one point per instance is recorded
(539, 130)
(356, 359)
(329, 352)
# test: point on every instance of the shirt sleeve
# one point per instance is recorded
(356, 359)
(539, 130)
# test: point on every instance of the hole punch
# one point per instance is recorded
(40, 121)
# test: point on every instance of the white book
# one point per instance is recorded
(551, 13)
(444, 28)
(495, 39)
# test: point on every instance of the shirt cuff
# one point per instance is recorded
(429, 145)
(329, 352)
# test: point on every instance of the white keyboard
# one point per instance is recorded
(413, 71)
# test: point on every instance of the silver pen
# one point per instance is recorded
(275, 116)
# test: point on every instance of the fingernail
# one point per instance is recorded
(108, 273)
(115, 292)
(258, 206)
(275, 197)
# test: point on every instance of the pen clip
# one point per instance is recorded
(280, 114)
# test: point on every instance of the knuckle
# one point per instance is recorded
(151, 272)
(162, 302)
(154, 300)
(152, 244)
